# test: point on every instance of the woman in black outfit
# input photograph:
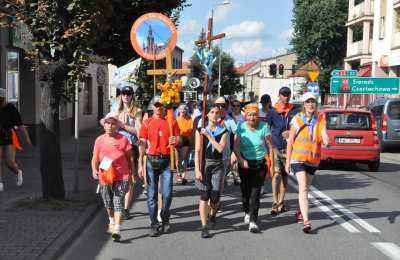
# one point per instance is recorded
(10, 119)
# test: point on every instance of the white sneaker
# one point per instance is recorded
(246, 219)
(159, 216)
(19, 179)
(1, 186)
(253, 228)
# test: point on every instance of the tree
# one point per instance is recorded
(66, 35)
(230, 81)
(320, 33)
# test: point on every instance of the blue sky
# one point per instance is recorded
(255, 28)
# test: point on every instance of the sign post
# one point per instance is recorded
(364, 85)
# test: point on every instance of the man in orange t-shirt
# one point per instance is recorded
(155, 135)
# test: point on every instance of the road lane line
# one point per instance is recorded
(389, 249)
(346, 225)
(370, 228)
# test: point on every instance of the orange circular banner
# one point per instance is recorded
(153, 35)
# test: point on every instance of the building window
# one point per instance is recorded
(382, 19)
(12, 76)
(357, 33)
(87, 96)
(397, 20)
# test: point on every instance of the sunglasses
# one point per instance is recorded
(310, 101)
(127, 93)
(221, 105)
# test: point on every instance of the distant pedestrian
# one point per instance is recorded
(307, 134)
(10, 119)
(264, 116)
(209, 172)
(112, 154)
(185, 124)
(155, 133)
(252, 144)
(239, 116)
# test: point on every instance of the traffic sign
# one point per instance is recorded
(344, 73)
(313, 87)
(313, 75)
(364, 85)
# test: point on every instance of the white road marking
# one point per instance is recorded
(346, 225)
(389, 249)
(370, 228)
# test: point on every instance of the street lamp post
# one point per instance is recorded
(220, 49)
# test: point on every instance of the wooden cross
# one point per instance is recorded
(208, 40)
(169, 70)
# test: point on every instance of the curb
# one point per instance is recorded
(66, 238)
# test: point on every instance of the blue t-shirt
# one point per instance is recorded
(252, 143)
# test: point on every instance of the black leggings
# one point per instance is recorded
(252, 179)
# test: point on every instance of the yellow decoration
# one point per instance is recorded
(170, 93)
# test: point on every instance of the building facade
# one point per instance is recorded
(373, 43)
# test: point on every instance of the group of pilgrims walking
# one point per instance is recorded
(250, 141)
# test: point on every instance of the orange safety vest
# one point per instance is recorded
(305, 149)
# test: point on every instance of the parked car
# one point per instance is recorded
(353, 137)
(387, 114)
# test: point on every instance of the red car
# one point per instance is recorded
(352, 137)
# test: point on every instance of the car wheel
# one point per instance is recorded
(373, 166)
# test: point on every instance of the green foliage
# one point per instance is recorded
(320, 33)
(78, 30)
(230, 80)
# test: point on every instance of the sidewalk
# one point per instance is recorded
(28, 230)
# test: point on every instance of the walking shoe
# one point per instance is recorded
(212, 219)
(281, 207)
(165, 227)
(246, 219)
(1, 186)
(274, 209)
(19, 179)
(110, 228)
(178, 178)
(204, 232)
(116, 235)
(159, 218)
(154, 231)
(184, 181)
(125, 214)
(236, 182)
(299, 217)
(253, 228)
(307, 227)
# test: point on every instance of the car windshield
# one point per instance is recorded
(349, 120)
(394, 110)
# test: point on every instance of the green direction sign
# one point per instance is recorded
(344, 73)
(364, 85)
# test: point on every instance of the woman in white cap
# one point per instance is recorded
(112, 152)
(9, 119)
(307, 134)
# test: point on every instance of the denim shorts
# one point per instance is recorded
(302, 167)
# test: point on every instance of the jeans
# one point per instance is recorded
(165, 177)
(251, 181)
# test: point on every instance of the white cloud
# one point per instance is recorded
(188, 28)
(221, 12)
(187, 47)
(287, 34)
(244, 29)
(248, 49)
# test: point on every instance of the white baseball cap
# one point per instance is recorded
(308, 95)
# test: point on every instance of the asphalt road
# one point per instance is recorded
(355, 215)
